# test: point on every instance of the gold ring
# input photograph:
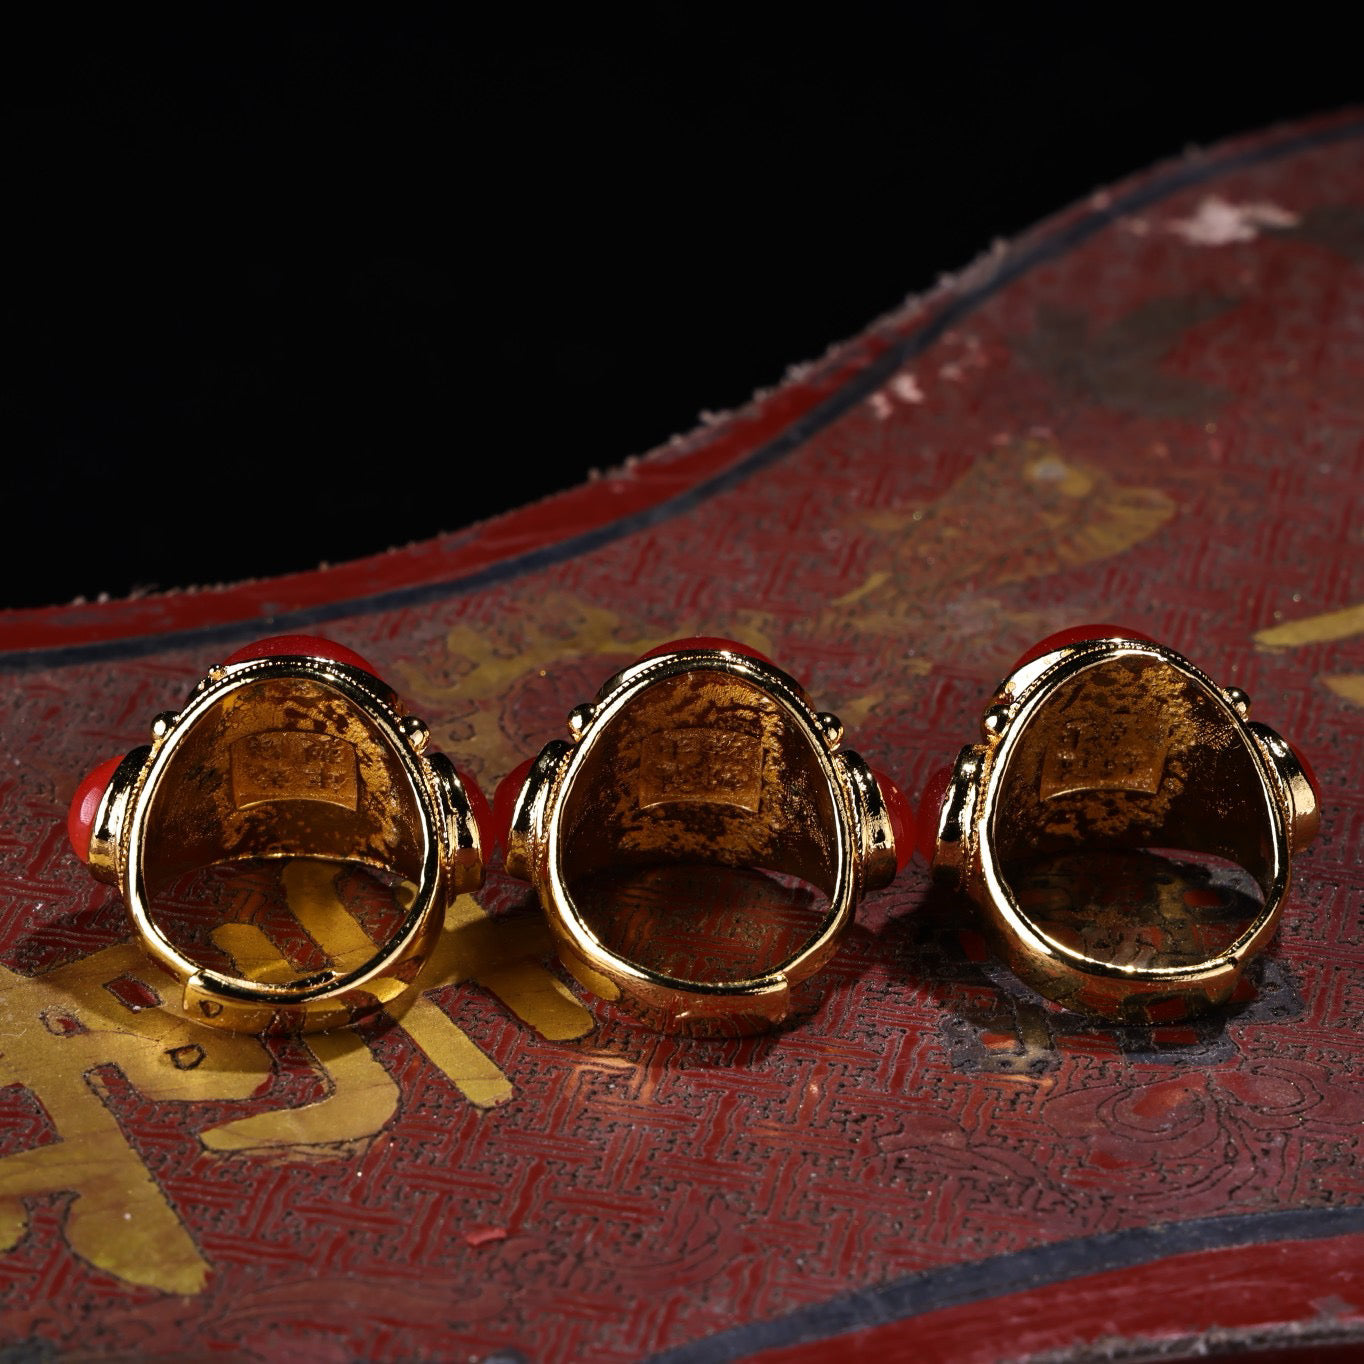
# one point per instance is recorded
(1104, 757)
(291, 748)
(702, 754)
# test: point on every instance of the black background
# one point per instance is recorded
(284, 286)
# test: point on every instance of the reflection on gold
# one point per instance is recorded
(58, 1029)
(1318, 629)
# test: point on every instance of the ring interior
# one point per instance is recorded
(1130, 753)
(282, 767)
(700, 768)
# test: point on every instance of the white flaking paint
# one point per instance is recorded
(906, 388)
(1217, 222)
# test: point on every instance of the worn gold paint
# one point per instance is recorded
(1348, 686)
(504, 960)
(474, 1074)
(58, 1029)
(1322, 629)
(310, 890)
(361, 1098)
(855, 712)
(361, 1101)
(1023, 511)
(1318, 629)
(473, 947)
(1019, 512)
(484, 665)
(874, 580)
(1026, 511)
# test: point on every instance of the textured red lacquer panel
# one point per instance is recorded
(1149, 410)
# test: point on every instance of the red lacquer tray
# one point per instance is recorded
(1149, 410)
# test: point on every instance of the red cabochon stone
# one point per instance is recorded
(733, 646)
(483, 816)
(504, 803)
(901, 819)
(1307, 771)
(80, 818)
(930, 811)
(306, 646)
(1075, 635)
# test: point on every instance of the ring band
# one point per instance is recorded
(1102, 742)
(291, 748)
(700, 753)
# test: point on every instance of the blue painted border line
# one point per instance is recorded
(1017, 1272)
(865, 382)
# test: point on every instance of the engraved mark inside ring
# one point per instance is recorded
(292, 765)
(713, 766)
(1113, 752)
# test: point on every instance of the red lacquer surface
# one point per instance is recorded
(1125, 419)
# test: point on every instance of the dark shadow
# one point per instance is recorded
(1134, 908)
(993, 1022)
